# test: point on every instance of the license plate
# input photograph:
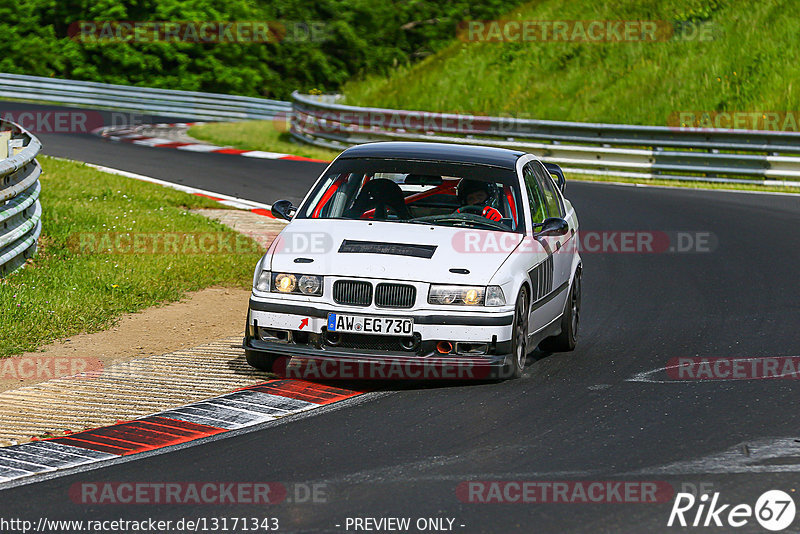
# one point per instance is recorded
(383, 326)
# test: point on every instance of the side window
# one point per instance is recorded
(538, 210)
(551, 198)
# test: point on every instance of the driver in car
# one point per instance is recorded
(478, 194)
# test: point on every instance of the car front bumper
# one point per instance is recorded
(481, 342)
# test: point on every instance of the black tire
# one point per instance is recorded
(261, 361)
(519, 341)
(570, 320)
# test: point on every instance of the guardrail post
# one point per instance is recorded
(5, 139)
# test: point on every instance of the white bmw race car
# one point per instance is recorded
(421, 254)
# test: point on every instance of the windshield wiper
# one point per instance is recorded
(460, 221)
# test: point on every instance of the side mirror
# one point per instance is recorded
(283, 209)
(552, 226)
(556, 172)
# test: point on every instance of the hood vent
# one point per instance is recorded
(395, 249)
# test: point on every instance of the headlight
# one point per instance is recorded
(472, 296)
(310, 285)
(304, 284)
(263, 281)
(467, 295)
(285, 283)
(464, 295)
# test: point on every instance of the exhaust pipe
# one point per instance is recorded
(444, 347)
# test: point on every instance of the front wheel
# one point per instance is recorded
(519, 343)
(565, 341)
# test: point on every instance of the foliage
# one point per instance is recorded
(357, 37)
(732, 55)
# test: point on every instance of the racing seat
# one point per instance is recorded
(381, 195)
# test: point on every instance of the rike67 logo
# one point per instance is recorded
(774, 510)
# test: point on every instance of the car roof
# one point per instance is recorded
(499, 157)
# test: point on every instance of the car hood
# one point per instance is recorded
(396, 251)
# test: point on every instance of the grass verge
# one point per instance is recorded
(746, 61)
(270, 136)
(74, 284)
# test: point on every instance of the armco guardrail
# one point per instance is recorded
(20, 211)
(187, 104)
(744, 156)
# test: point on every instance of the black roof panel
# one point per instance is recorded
(499, 157)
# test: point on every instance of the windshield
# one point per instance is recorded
(448, 194)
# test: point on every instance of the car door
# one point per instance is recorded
(544, 309)
(562, 253)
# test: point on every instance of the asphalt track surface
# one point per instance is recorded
(573, 416)
(258, 180)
